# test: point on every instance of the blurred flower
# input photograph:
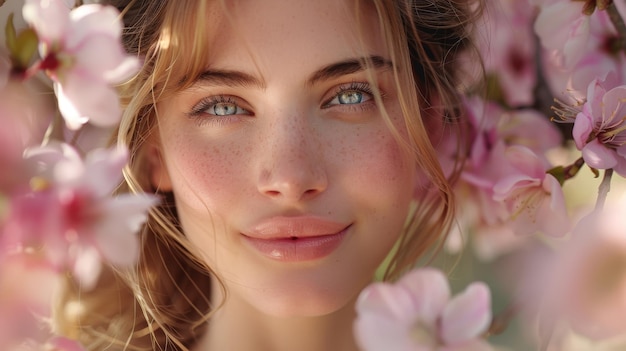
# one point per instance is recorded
(492, 129)
(72, 213)
(81, 51)
(600, 128)
(583, 47)
(22, 114)
(506, 42)
(588, 284)
(417, 313)
(562, 26)
(484, 216)
(27, 287)
(533, 198)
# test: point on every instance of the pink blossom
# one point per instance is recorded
(493, 130)
(562, 26)
(588, 281)
(505, 40)
(21, 114)
(491, 125)
(82, 53)
(27, 287)
(533, 198)
(600, 58)
(418, 313)
(600, 128)
(73, 215)
(585, 53)
(481, 223)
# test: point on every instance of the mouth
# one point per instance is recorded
(296, 240)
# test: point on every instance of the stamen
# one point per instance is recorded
(565, 112)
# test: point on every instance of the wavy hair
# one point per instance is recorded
(162, 303)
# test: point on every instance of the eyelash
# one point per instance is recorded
(362, 87)
(199, 114)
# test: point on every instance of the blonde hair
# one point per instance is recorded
(162, 303)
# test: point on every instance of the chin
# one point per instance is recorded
(302, 305)
(303, 295)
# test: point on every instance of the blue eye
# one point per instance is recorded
(221, 106)
(351, 94)
(225, 109)
(350, 97)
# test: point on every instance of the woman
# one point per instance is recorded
(292, 145)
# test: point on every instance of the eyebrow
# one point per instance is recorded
(335, 70)
(229, 78)
(349, 66)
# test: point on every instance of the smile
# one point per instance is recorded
(296, 239)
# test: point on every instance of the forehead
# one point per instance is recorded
(290, 36)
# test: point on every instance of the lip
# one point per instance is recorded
(293, 239)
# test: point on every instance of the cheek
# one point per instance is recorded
(207, 184)
(203, 174)
(379, 177)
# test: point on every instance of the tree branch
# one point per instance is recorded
(604, 189)
(619, 24)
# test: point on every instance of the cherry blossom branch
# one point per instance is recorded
(619, 24)
(604, 189)
(501, 321)
(564, 173)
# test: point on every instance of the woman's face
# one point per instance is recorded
(285, 174)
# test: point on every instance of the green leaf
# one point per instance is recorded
(9, 34)
(23, 46)
(26, 47)
(559, 173)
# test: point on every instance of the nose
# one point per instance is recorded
(292, 166)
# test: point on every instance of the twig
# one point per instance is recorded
(619, 24)
(501, 321)
(604, 189)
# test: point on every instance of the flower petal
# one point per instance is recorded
(93, 19)
(50, 18)
(598, 156)
(467, 315)
(104, 169)
(83, 98)
(116, 234)
(430, 292)
(388, 301)
(583, 126)
(87, 266)
(375, 333)
(103, 56)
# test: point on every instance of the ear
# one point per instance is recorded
(159, 176)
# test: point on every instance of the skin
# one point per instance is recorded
(290, 150)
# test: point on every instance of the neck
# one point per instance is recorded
(238, 326)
